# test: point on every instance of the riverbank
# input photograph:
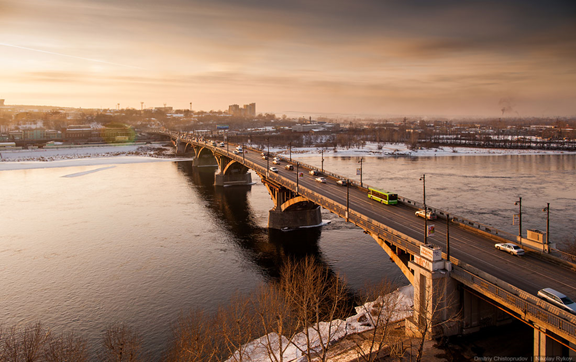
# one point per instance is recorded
(158, 152)
(85, 156)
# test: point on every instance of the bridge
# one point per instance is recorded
(460, 286)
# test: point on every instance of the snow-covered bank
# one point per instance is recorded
(68, 157)
(260, 349)
(401, 150)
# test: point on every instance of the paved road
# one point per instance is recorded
(528, 272)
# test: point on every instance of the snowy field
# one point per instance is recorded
(110, 155)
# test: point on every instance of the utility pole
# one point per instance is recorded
(423, 179)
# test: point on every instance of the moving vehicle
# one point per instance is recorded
(555, 297)
(239, 148)
(289, 167)
(321, 179)
(342, 182)
(510, 248)
(264, 157)
(276, 162)
(429, 215)
(274, 169)
(221, 144)
(314, 173)
(384, 197)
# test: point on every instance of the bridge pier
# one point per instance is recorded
(290, 210)
(436, 296)
(547, 347)
(180, 147)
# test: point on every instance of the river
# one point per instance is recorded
(84, 247)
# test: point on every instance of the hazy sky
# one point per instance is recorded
(458, 57)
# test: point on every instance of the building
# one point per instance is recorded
(1, 103)
(249, 110)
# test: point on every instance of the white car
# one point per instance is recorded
(321, 179)
(274, 169)
(557, 298)
(430, 215)
(510, 248)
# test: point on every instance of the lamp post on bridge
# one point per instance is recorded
(297, 176)
(423, 179)
(347, 200)
(519, 203)
(360, 162)
(268, 158)
(290, 151)
(547, 210)
(322, 155)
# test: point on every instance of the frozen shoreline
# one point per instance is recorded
(401, 150)
(84, 156)
(112, 155)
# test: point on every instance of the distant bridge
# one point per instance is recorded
(472, 287)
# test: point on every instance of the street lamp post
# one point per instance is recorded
(322, 153)
(290, 151)
(448, 237)
(519, 203)
(347, 199)
(243, 153)
(360, 162)
(423, 179)
(268, 158)
(547, 209)
(297, 176)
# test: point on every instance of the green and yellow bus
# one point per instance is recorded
(384, 197)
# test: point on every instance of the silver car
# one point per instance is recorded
(510, 248)
(557, 298)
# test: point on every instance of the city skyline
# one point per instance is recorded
(484, 58)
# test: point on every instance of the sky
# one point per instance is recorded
(405, 58)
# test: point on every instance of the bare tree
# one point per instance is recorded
(194, 339)
(121, 343)
(315, 296)
(25, 345)
(276, 320)
(235, 323)
(381, 305)
(65, 348)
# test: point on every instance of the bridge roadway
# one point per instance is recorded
(512, 281)
(529, 272)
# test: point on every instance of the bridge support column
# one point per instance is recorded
(232, 179)
(290, 210)
(436, 298)
(180, 147)
(547, 348)
(294, 219)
